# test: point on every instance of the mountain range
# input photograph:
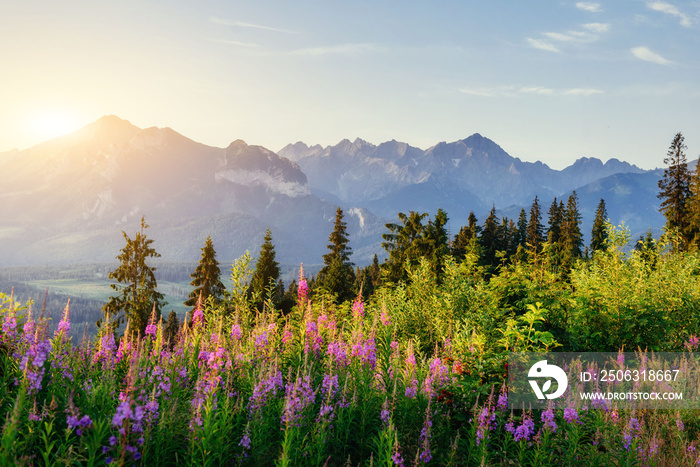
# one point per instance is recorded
(67, 200)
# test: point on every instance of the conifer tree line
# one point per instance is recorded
(680, 195)
(416, 237)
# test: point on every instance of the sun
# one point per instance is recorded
(50, 124)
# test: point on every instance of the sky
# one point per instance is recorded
(547, 80)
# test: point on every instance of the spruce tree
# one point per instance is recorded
(436, 239)
(337, 275)
(404, 243)
(266, 274)
(206, 278)
(572, 240)
(522, 229)
(599, 235)
(465, 237)
(693, 206)
(139, 293)
(172, 326)
(556, 219)
(675, 188)
(489, 240)
(535, 237)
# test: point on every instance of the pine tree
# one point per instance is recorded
(556, 219)
(522, 229)
(337, 275)
(599, 235)
(675, 188)
(572, 240)
(266, 274)
(206, 278)
(693, 206)
(404, 243)
(535, 237)
(465, 237)
(172, 326)
(436, 238)
(139, 294)
(489, 239)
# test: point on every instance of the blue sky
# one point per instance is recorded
(549, 81)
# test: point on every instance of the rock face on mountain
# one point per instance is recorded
(470, 174)
(68, 199)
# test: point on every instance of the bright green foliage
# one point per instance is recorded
(337, 275)
(675, 189)
(206, 278)
(599, 233)
(139, 294)
(266, 275)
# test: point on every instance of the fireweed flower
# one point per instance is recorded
(338, 350)
(525, 430)
(424, 451)
(299, 396)
(631, 432)
(64, 324)
(9, 326)
(502, 403)
(548, 420)
(198, 318)
(486, 422)
(302, 288)
(679, 424)
(236, 332)
(329, 386)
(571, 416)
(265, 388)
(287, 335)
(385, 415)
(358, 309)
(693, 342)
(412, 389)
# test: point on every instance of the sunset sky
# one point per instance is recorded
(550, 81)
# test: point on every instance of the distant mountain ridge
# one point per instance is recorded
(66, 200)
(475, 168)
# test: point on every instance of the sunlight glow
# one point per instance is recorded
(50, 124)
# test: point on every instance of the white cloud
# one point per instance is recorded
(515, 91)
(237, 43)
(589, 6)
(643, 53)
(582, 92)
(672, 10)
(343, 49)
(226, 22)
(537, 90)
(557, 36)
(542, 45)
(598, 28)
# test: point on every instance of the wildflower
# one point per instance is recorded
(123, 412)
(358, 309)
(64, 324)
(679, 424)
(525, 430)
(412, 389)
(302, 288)
(385, 415)
(631, 432)
(198, 317)
(571, 415)
(502, 403)
(693, 342)
(425, 455)
(299, 396)
(485, 419)
(245, 441)
(397, 459)
(329, 386)
(385, 318)
(236, 332)
(548, 420)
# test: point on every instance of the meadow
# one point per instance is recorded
(413, 375)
